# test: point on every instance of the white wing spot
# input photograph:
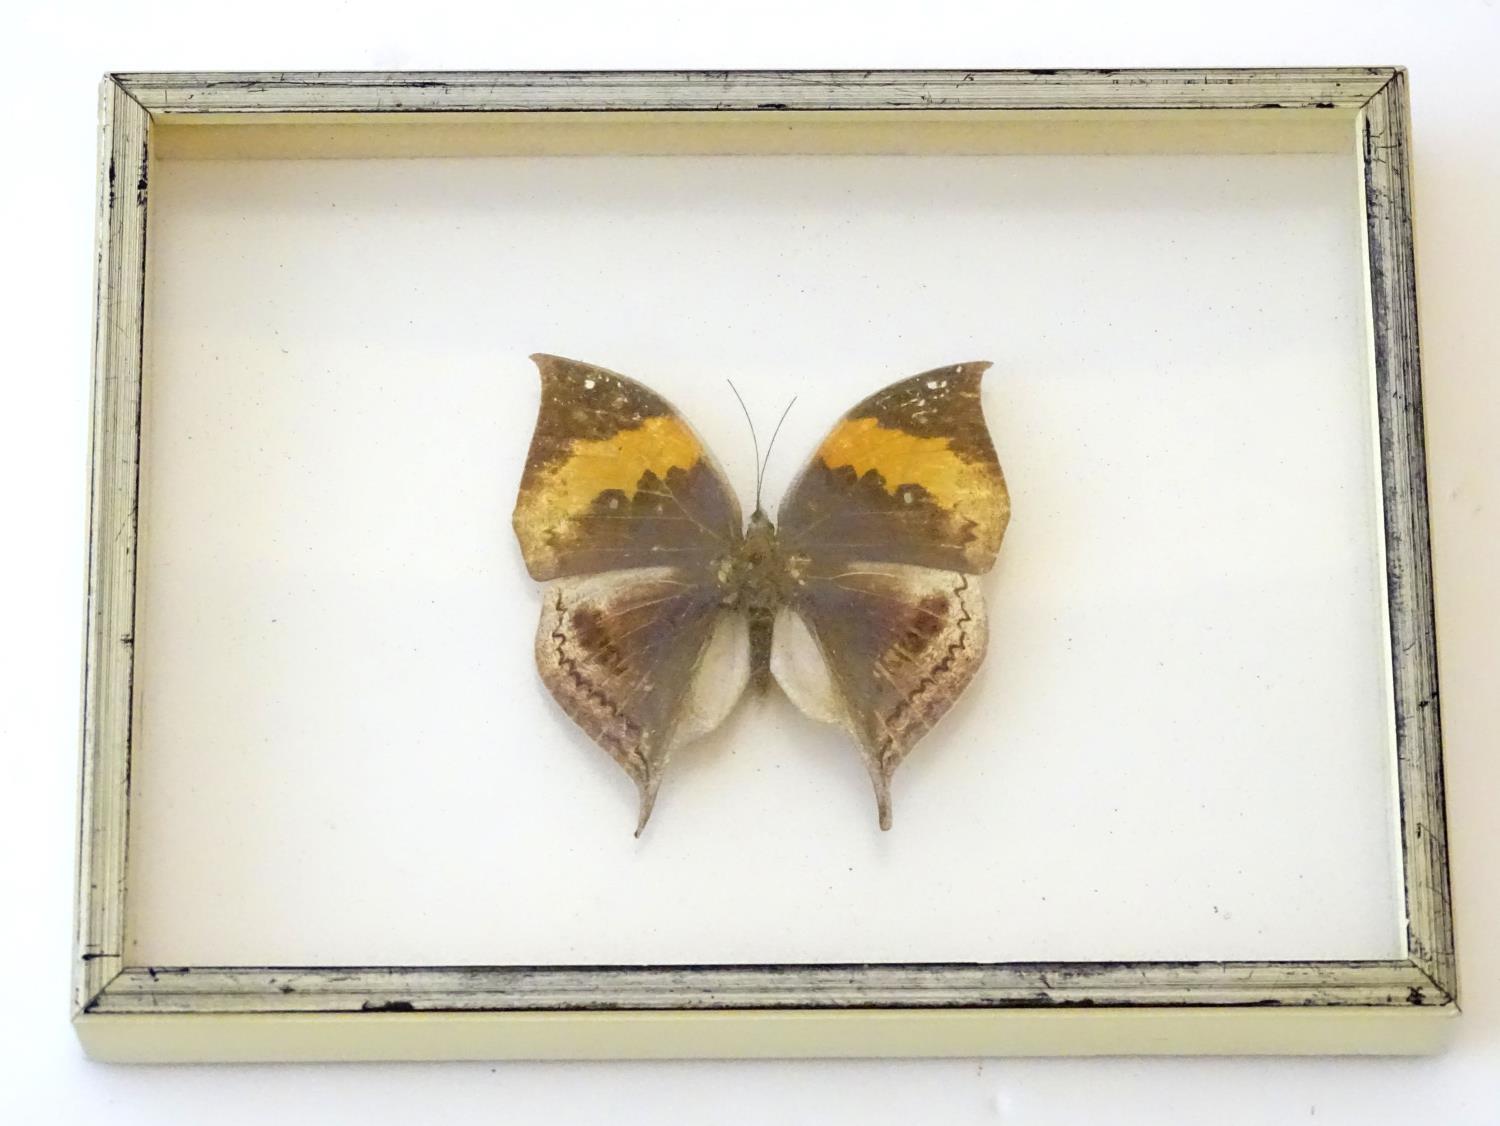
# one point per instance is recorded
(933, 384)
(614, 502)
(588, 384)
(907, 496)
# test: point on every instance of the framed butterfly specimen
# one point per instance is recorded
(1212, 819)
(861, 600)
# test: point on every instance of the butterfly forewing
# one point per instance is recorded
(616, 478)
(908, 476)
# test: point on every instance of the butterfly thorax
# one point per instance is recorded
(757, 578)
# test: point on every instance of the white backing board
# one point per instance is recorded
(1177, 749)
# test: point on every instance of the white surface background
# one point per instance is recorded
(1178, 748)
(53, 57)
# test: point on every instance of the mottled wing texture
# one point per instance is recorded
(899, 510)
(643, 661)
(616, 478)
(623, 509)
(908, 476)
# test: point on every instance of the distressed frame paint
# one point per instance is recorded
(137, 1012)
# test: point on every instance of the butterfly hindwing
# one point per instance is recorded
(882, 650)
(897, 512)
(644, 661)
(616, 478)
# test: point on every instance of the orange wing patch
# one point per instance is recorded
(972, 492)
(566, 489)
(618, 462)
(905, 459)
(909, 476)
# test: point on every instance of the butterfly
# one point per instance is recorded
(861, 600)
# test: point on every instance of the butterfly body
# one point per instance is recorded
(860, 601)
(758, 578)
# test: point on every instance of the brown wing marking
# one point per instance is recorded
(908, 476)
(616, 478)
(642, 661)
(898, 644)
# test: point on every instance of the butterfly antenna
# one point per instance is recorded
(754, 444)
(770, 446)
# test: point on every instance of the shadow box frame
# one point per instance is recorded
(129, 1012)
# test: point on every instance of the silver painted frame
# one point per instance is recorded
(126, 1011)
